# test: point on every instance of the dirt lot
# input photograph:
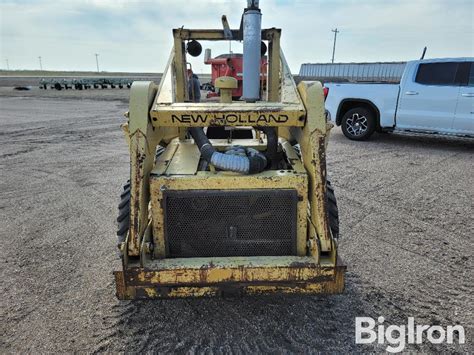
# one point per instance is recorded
(407, 238)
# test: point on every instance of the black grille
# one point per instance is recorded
(202, 223)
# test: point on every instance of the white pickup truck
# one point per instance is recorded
(434, 96)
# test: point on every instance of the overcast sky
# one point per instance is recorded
(136, 35)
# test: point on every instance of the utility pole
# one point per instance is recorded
(41, 64)
(334, 45)
(97, 61)
(8, 66)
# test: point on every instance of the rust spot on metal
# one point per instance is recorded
(120, 284)
(145, 289)
(322, 188)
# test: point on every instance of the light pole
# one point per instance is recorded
(97, 61)
(8, 66)
(41, 64)
(334, 45)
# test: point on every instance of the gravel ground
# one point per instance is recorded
(406, 224)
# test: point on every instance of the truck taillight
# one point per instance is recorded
(326, 92)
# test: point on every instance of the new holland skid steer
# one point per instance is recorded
(249, 212)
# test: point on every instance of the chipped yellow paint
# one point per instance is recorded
(334, 286)
(151, 292)
(183, 292)
(143, 140)
(313, 241)
(142, 154)
(177, 283)
(203, 271)
(313, 139)
(244, 274)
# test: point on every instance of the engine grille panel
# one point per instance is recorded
(258, 222)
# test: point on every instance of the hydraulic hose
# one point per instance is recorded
(253, 162)
(272, 144)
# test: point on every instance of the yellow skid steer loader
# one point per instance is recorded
(228, 196)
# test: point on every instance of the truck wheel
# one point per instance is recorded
(358, 124)
(333, 212)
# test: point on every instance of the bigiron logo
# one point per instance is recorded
(231, 118)
(397, 336)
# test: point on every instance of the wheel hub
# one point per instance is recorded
(356, 125)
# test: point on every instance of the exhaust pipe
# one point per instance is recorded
(252, 28)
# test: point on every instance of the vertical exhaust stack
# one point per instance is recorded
(207, 55)
(252, 28)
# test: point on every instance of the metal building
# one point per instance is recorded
(379, 72)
